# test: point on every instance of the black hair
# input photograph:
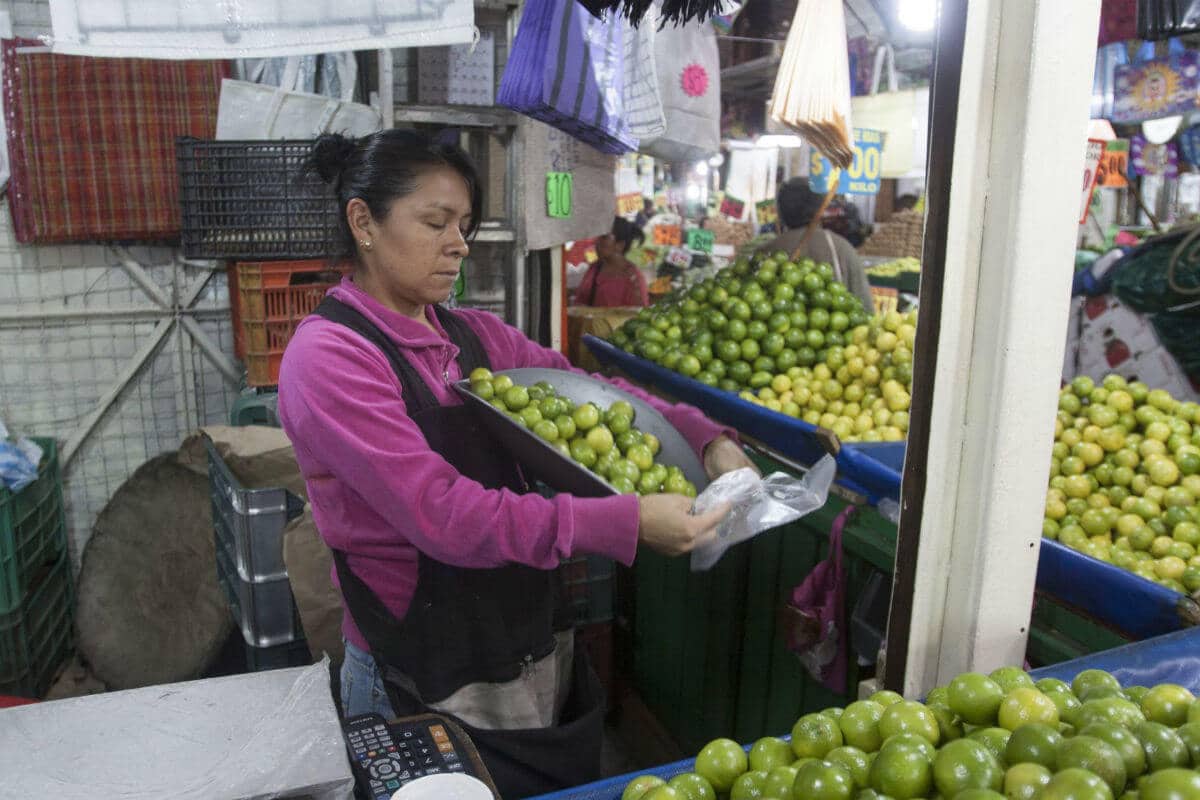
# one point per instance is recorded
(625, 231)
(905, 202)
(797, 204)
(382, 167)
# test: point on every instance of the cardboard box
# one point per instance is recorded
(1105, 337)
(601, 322)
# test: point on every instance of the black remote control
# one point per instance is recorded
(385, 756)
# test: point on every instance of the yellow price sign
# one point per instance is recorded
(629, 204)
(861, 177)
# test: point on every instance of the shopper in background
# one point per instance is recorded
(614, 280)
(645, 214)
(445, 559)
(797, 205)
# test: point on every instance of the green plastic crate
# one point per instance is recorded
(37, 636)
(32, 528)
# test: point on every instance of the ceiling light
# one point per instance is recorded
(917, 15)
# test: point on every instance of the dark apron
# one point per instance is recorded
(468, 626)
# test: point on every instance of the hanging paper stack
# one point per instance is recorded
(812, 89)
(567, 69)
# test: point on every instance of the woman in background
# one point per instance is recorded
(614, 280)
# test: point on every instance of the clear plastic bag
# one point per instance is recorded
(759, 504)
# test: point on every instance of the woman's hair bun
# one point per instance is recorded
(331, 153)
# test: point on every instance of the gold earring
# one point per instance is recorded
(366, 245)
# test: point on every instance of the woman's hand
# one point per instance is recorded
(666, 523)
(725, 455)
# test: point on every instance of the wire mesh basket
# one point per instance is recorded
(253, 200)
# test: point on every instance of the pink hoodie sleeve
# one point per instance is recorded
(346, 414)
(511, 349)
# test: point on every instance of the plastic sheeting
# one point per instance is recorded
(257, 736)
(1174, 658)
(214, 29)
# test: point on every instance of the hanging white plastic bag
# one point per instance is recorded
(689, 85)
(258, 111)
(643, 101)
(759, 504)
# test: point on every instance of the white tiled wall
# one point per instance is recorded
(53, 373)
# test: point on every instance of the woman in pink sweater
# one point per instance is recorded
(445, 560)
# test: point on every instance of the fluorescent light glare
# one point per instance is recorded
(917, 15)
(783, 141)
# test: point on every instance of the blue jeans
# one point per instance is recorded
(362, 685)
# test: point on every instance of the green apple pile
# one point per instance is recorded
(1125, 479)
(982, 737)
(603, 440)
(753, 320)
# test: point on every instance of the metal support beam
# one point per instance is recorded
(142, 278)
(144, 353)
(112, 314)
(212, 351)
(1012, 211)
(387, 86)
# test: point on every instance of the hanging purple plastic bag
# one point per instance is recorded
(567, 69)
(815, 619)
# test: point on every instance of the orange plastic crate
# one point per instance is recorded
(273, 296)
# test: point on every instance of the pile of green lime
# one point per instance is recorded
(1125, 479)
(778, 313)
(785, 335)
(603, 440)
(982, 737)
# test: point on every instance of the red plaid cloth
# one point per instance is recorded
(92, 142)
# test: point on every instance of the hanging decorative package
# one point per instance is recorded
(1156, 89)
(812, 88)
(92, 141)
(566, 68)
(689, 83)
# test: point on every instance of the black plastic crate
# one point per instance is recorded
(253, 200)
(280, 656)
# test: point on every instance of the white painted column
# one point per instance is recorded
(1014, 200)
